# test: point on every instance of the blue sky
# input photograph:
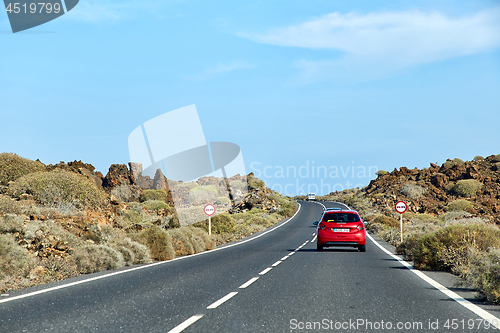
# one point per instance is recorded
(339, 85)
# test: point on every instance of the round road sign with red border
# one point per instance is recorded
(400, 207)
(209, 210)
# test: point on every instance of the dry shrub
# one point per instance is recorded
(496, 158)
(430, 251)
(132, 251)
(60, 186)
(95, 258)
(9, 205)
(260, 221)
(181, 242)
(386, 220)
(14, 259)
(209, 243)
(11, 224)
(190, 240)
(158, 241)
(484, 273)
(466, 187)
(126, 193)
(459, 205)
(57, 268)
(413, 191)
(13, 167)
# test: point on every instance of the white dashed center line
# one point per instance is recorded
(249, 282)
(276, 263)
(185, 324)
(312, 240)
(265, 271)
(222, 300)
(284, 258)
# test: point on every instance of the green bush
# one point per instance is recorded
(288, 208)
(458, 161)
(220, 224)
(13, 167)
(237, 184)
(255, 183)
(449, 164)
(155, 205)
(381, 172)
(496, 158)
(478, 158)
(459, 205)
(466, 187)
(59, 187)
(223, 201)
(205, 188)
(149, 194)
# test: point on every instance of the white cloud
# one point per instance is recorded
(220, 68)
(391, 40)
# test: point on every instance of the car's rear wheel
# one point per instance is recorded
(362, 248)
(319, 247)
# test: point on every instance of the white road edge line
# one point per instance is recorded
(222, 300)
(276, 263)
(312, 240)
(185, 324)
(265, 271)
(249, 282)
(494, 321)
(145, 266)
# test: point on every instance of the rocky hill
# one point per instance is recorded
(433, 190)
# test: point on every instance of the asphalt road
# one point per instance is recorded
(275, 282)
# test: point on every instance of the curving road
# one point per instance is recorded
(273, 282)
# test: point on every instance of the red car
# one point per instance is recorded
(341, 228)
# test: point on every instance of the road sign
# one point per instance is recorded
(401, 207)
(209, 210)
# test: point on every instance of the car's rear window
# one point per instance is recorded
(341, 217)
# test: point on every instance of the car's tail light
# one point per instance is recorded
(360, 227)
(322, 226)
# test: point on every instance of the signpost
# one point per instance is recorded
(401, 207)
(209, 210)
